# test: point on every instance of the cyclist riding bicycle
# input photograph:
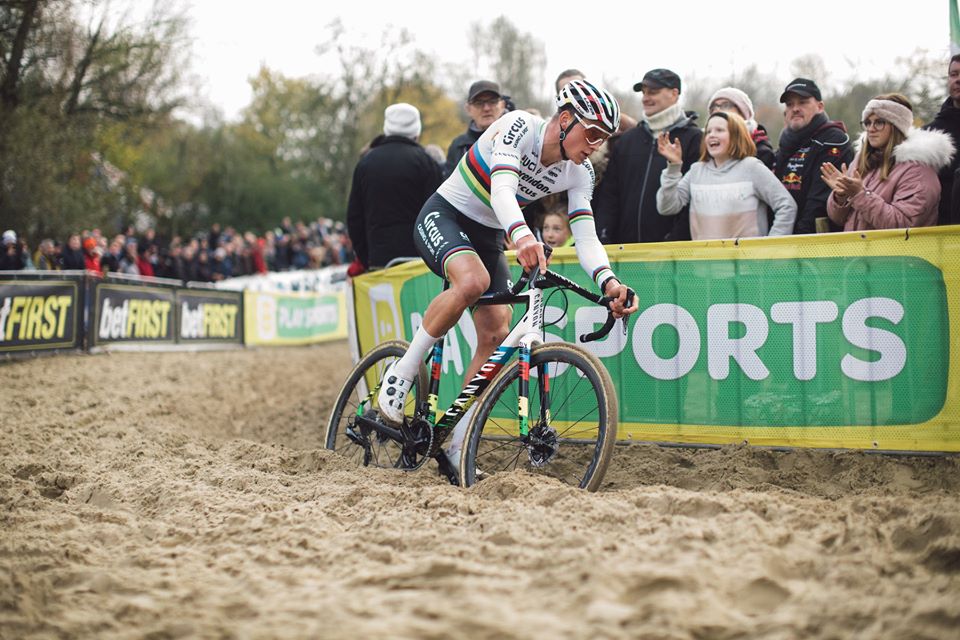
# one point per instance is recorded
(460, 230)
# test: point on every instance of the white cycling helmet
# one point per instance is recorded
(591, 103)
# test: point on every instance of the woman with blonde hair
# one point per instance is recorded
(729, 189)
(892, 182)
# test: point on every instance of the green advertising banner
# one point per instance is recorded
(840, 341)
(292, 318)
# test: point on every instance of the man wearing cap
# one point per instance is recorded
(390, 184)
(808, 140)
(948, 121)
(625, 205)
(484, 105)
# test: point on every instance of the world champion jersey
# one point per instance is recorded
(508, 154)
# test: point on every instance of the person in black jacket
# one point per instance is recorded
(485, 104)
(625, 205)
(390, 184)
(948, 121)
(808, 140)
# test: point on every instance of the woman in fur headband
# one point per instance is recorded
(892, 183)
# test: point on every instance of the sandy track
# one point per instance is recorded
(186, 495)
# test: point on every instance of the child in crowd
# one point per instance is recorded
(556, 229)
(729, 189)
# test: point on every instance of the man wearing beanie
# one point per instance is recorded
(731, 99)
(808, 140)
(485, 104)
(390, 184)
(625, 205)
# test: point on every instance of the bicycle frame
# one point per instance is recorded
(525, 335)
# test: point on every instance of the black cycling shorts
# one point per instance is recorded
(442, 232)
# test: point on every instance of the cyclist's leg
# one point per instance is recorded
(448, 252)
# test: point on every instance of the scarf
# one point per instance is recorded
(665, 119)
(791, 140)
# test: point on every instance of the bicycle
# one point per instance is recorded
(553, 410)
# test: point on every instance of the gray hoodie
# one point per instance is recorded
(729, 201)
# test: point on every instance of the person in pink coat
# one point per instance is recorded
(892, 183)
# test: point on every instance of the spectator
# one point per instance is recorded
(130, 262)
(110, 260)
(91, 257)
(220, 268)
(435, 152)
(203, 272)
(808, 140)
(12, 258)
(390, 185)
(555, 229)
(569, 75)
(72, 257)
(145, 260)
(484, 105)
(190, 263)
(729, 189)
(625, 205)
(948, 120)
(47, 259)
(731, 99)
(892, 182)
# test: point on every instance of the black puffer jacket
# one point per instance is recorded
(948, 121)
(390, 184)
(625, 204)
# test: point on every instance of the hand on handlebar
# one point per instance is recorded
(530, 254)
(618, 305)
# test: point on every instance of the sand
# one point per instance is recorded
(188, 495)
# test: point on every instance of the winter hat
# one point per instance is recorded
(893, 112)
(9, 236)
(89, 244)
(738, 98)
(401, 119)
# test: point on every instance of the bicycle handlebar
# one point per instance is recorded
(549, 278)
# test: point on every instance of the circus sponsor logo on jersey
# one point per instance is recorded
(515, 133)
(430, 232)
(37, 315)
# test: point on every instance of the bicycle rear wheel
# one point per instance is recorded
(572, 420)
(368, 448)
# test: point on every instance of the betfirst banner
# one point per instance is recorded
(293, 319)
(839, 340)
(40, 315)
(206, 316)
(132, 314)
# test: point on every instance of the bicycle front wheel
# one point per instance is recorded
(572, 420)
(365, 447)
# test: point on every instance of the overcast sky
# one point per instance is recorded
(710, 39)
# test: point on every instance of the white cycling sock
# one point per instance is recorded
(459, 433)
(407, 366)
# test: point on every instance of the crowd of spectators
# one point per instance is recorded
(210, 256)
(656, 179)
(669, 175)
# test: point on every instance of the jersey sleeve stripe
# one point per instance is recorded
(580, 215)
(505, 167)
(601, 273)
(518, 229)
